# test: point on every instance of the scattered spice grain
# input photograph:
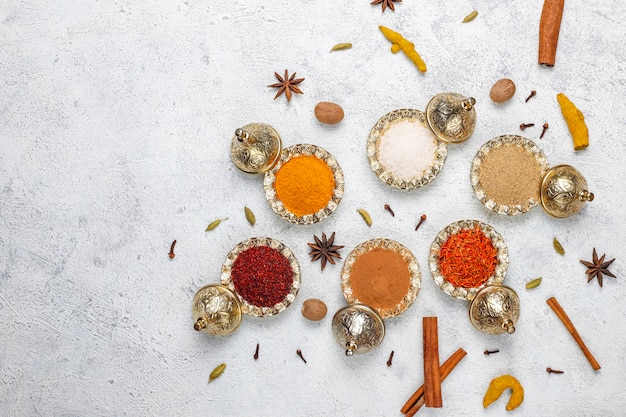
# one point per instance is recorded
(388, 208)
(299, 353)
(525, 125)
(256, 352)
(468, 258)
(510, 175)
(532, 94)
(304, 184)
(543, 132)
(262, 276)
(553, 371)
(489, 352)
(172, 254)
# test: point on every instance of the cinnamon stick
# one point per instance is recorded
(417, 399)
(549, 27)
(556, 307)
(432, 376)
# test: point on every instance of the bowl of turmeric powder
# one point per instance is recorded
(305, 186)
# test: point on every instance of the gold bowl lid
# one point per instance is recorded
(495, 310)
(255, 148)
(564, 191)
(216, 310)
(451, 117)
(358, 328)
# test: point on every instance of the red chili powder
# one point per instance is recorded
(468, 258)
(262, 276)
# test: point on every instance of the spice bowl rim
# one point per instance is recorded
(227, 281)
(412, 264)
(304, 149)
(461, 292)
(381, 126)
(481, 194)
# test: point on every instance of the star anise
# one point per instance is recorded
(324, 249)
(287, 85)
(386, 3)
(597, 268)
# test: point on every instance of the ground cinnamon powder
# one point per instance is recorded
(380, 278)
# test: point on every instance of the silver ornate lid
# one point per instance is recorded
(216, 310)
(451, 117)
(495, 310)
(564, 191)
(358, 328)
(255, 148)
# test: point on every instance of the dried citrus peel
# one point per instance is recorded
(497, 387)
(575, 122)
(399, 43)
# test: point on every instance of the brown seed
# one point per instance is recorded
(502, 90)
(314, 309)
(328, 113)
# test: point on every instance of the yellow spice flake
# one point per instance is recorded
(575, 122)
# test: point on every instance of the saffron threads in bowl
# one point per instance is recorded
(468, 258)
(407, 149)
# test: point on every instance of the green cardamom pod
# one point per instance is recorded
(219, 370)
(341, 46)
(366, 216)
(470, 17)
(534, 283)
(249, 216)
(214, 224)
(558, 247)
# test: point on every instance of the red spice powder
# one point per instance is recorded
(468, 258)
(262, 276)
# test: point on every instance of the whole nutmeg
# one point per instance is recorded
(502, 90)
(329, 113)
(314, 309)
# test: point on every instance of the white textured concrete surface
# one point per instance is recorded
(115, 123)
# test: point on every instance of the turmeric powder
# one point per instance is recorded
(304, 184)
(399, 43)
(575, 122)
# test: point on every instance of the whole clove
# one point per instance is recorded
(256, 352)
(553, 371)
(299, 353)
(525, 125)
(388, 208)
(422, 218)
(390, 358)
(532, 94)
(172, 254)
(543, 132)
(489, 352)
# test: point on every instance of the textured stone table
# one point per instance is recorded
(115, 123)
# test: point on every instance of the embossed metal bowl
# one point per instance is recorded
(216, 310)
(379, 129)
(277, 205)
(451, 117)
(251, 309)
(461, 292)
(391, 245)
(489, 201)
